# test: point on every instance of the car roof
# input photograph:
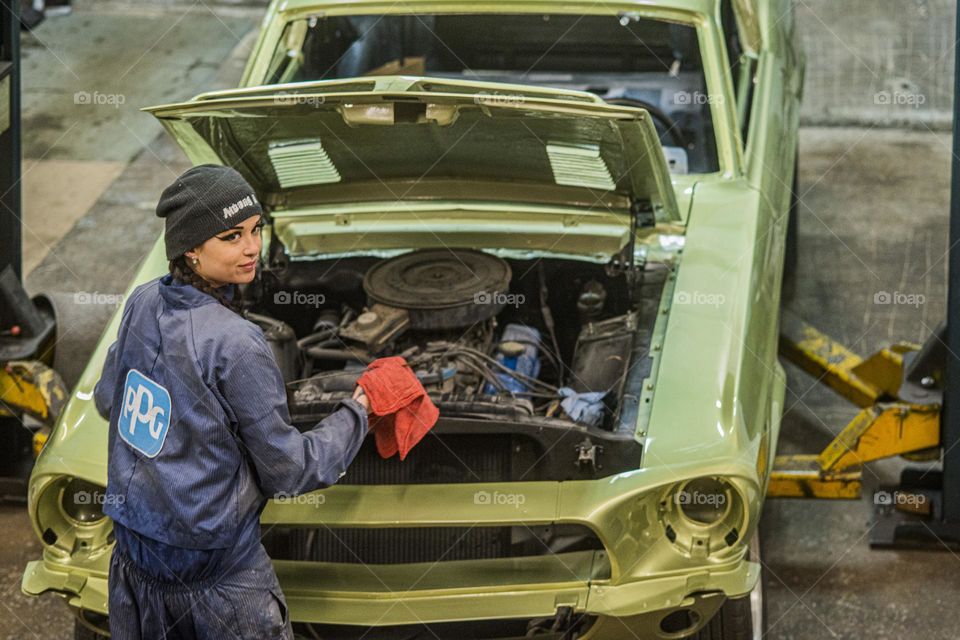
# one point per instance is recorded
(704, 7)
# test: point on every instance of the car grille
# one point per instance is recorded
(571, 625)
(389, 546)
(444, 459)
(447, 458)
(401, 545)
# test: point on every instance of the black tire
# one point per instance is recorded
(82, 632)
(734, 621)
(791, 249)
(740, 618)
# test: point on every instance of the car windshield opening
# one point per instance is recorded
(623, 59)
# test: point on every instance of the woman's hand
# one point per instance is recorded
(361, 397)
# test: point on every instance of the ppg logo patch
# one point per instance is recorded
(145, 418)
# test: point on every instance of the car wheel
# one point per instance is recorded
(790, 249)
(740, 618)
(83, 632)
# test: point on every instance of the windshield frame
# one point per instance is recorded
(694, 13)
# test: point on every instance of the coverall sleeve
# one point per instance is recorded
(103, 390)
(287, 461)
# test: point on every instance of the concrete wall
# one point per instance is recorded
(878, 62)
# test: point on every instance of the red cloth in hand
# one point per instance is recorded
(402, 411)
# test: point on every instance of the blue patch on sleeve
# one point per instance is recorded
(145, 416)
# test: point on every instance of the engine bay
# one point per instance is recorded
(557, 341)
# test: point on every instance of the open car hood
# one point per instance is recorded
(402, 137)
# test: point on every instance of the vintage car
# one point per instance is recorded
(572, 219)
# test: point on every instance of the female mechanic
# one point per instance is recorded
(200, 434)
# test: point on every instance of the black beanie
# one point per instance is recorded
(201, 203)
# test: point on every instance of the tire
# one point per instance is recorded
(791, 248)
(740, 618)
(83, 632)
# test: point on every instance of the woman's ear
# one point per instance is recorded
(192, 254)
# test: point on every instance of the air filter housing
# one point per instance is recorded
(441, 288)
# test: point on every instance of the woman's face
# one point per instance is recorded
(229, 256)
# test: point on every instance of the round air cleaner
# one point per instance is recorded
(441, 288)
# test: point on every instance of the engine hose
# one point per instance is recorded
(484, 373)
(318, 336)
(544, 391)
(533, 382)
(486, 360)
(257, 317)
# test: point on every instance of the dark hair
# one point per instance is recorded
(182, 271)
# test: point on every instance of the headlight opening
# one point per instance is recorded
(703, 516)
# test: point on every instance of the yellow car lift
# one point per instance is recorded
(29, 386)
(898, 414)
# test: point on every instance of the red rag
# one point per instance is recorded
(402, 410)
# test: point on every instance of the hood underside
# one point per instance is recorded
(399, 137)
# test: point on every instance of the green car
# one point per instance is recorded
(572, 219)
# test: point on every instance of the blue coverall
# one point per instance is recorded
(200, 438)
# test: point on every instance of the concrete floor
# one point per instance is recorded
(85, 78)
(873, 220)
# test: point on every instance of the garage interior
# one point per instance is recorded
(874, 186)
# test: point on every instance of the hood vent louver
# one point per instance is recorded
(302, 162)
(579, 165)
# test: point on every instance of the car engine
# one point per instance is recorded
(487, 337)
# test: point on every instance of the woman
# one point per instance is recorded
(200, 434)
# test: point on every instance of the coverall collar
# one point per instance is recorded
(186, 296)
